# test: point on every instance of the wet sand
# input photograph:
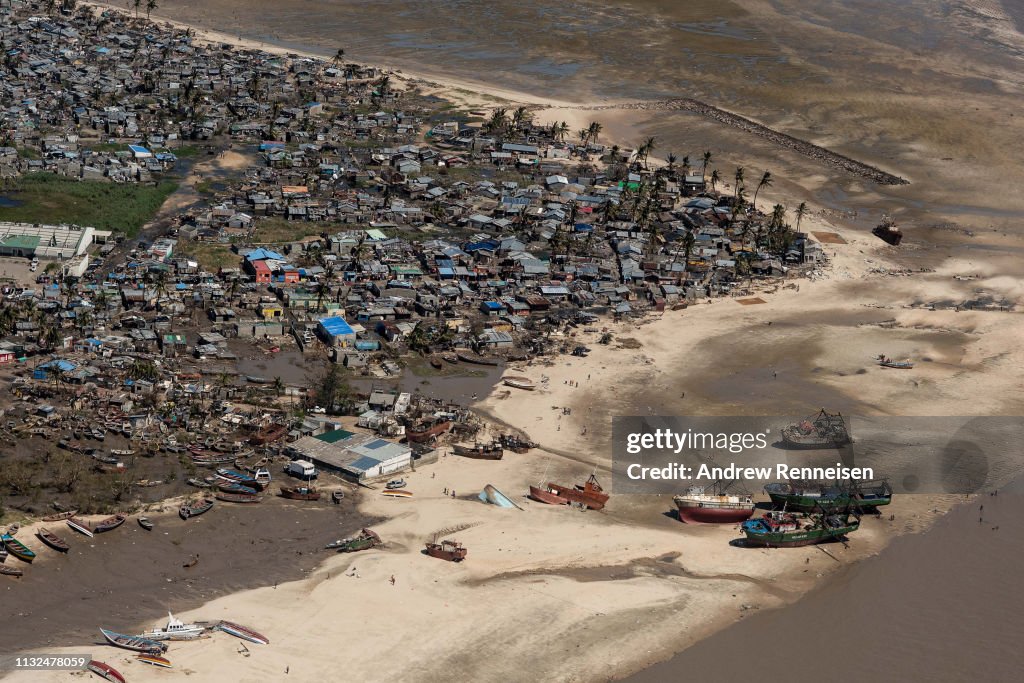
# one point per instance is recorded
(942, 606)
(127, 579)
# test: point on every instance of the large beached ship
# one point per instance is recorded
(786, 530)
(714, 507)
(797, 496)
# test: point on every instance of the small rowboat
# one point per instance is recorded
(242, 632)
(53, 540)
(436, 363)
(60, 516)
(195, 509)
(192, 562)
(155, 660)
(10, 571)
(13, 530)
(520, 383)
(106, 671)
(109, 524)
(136, 643)
(887, 362)
(300, 493)
(17, 548)
(198, 483)
(397, 493)
(80, 526)
(238, 497)
(145, 523)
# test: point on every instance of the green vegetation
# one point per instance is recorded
(27, 153)
(212, 257)
(52, 199)
(186, 152)
(278, 230)
(204, 187)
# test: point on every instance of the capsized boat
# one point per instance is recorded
(589, 493)
(452, 551)
(105, 671)
(826, 430)
(779, 529)
(17, 548)
(135, 643)
(809, 496)
(81, 526)
(155, 660)
(242, 632)
(714, 507)
(175, 629)
(53, 540)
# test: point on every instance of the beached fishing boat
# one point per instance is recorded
(519, 383)
(194, 508)
(135, 643)
(427, 432)
(105, 671)
(364, 541)
(436, 363)
(473, 358)
(13, 529)
(234, 487)
(452, 551)
(238, 497)
(198, 483)
(3, 553)
(450, 358)
(300, 493)
(826, 430)
(175, 629)
(396, 493)
(590, 493)
(479, 451)
(262, 477)
(53, 540)
(547, 496)
(155, 660)
(888, 232)
(60, 516)
(779, 529)
(109, 524)
(17, 548)
(242, 632)
(516, 444)
(81, 526)
(714, 507)
(797, 496)
(887, 362)
(240, 478)
(145, 523)
(11, 571)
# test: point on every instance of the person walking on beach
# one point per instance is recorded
(392, 579)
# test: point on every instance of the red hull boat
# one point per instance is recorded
(590, 494)
(545, 496)
(106, 671)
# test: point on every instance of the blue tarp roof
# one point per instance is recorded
(262, 254)
(336, 325)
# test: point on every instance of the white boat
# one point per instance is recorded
(520, 383)
(262, 477)
(175, 630)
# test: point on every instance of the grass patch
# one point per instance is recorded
(186, 152)
(204, 187)
(277, 230)
(212, 257)
(52, 199)
(27, 153)
(107, 147)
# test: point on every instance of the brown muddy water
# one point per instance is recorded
(940, 606)
(127, 579)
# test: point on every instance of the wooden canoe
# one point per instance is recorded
(300, 493)
(136, 643)
(10, 571)
(238, 497)
(397, 493)
(60, 516)
(145, 523)
(109, 524)
(53, 540)
(17, 548)
(155, 660)
(242, 632)
(194, 509)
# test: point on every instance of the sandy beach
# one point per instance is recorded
(585, 596)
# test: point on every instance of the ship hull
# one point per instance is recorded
(798, 503)
(711, 513)
(795, 539)
(545, 496)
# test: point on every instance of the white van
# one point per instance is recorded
(301, 468)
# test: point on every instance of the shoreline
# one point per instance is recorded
(568, 572)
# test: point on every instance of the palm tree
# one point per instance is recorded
(520, 117)
(766, 181)
(704, 167)
(801, 211)
(739, 181)
(278, 385)
(715, 179)
(136, 4)
(498, 121)
(384, 85)
(594, 131)
(150, 6)
(645, 150)
(339, 57)
(671, 159)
